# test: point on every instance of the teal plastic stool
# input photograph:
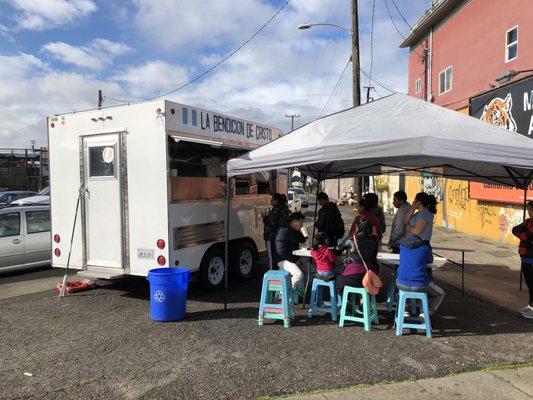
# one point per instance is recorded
(317, 303)
(369, 313)
(400, 309)
(276, 298)
(391, 291)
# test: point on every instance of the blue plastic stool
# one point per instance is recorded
(276, 298)
(369, 313)
(400, 309)
(316, 302)
(391, 291)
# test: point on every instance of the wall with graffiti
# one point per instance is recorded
(457, 211)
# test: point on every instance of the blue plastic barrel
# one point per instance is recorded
(168, 293)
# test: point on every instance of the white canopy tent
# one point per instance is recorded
(395, 134)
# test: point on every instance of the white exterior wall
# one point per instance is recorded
(147, 179)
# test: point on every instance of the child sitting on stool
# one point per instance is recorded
(324, 257)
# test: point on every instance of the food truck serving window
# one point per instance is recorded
(198, 172)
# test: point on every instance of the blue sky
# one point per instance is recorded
(56, 54)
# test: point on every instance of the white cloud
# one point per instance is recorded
(283, 70)
(32, 90)
(151, 78)
(96, 55)
(48, 14)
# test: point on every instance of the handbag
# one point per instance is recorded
(371, 282)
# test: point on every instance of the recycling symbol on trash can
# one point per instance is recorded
(159, 296)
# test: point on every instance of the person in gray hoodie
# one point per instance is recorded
(398, 226)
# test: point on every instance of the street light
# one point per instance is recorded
(309, 26)
(507, 76)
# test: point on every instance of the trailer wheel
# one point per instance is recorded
(212, 269)
(243, 260)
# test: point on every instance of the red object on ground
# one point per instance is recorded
(73, 287)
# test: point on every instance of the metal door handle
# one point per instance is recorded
(16, 241)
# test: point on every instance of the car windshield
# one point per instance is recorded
(3, 198)
(45, 191)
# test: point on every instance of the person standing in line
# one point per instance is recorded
(378, 211)
(277, 217)
(329, 220)
(524, 232)
(415, 251)
(398, 226)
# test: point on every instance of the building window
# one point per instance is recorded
(184, 116)
(418, 85)
(445, 80)
(511, 44)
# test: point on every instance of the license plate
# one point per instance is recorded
(145, 254)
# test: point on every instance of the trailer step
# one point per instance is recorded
(101, 273)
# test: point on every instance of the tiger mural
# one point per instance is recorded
(498, 112)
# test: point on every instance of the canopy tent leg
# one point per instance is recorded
(226, 237)
(316, 209)
(523, 219)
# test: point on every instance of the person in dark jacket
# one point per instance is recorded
(277, 217)
(524, 232)
(329, 219)
(288, 239)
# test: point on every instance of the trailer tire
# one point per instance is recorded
(243, 260)
(212, 269)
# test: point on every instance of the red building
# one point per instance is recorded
(458, 49)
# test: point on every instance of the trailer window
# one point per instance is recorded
(198, 172)
(101, 161)
(258, 183)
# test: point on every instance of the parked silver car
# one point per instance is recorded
(25, 238)
(7, 197)
(42, 198)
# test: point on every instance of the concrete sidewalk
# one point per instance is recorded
(504, 384)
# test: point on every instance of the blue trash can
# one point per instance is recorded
(168, 293)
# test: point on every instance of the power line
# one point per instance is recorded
(405, 20)
(218, 63)
(395, 26)
(372, 40)
(383, 85)
(335, 88)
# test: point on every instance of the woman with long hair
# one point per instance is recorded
(415, 251)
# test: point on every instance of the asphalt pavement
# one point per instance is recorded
(102, 344)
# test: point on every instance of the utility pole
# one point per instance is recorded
(292, 116)
(100, 99)
(33, 144)
(356, 73)
(368, 89)
(355, 55)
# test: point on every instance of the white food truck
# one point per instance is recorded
(151, 180)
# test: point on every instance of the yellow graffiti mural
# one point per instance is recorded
(457, 211)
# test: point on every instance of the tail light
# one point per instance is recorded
(57, 238)
(160, 244)
(57, 252)
(161, 260)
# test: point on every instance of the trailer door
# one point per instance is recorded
(103, 210)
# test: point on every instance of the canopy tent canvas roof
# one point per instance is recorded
(397, 133)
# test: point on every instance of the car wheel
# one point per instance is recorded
(243, 260)
(212, 269)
